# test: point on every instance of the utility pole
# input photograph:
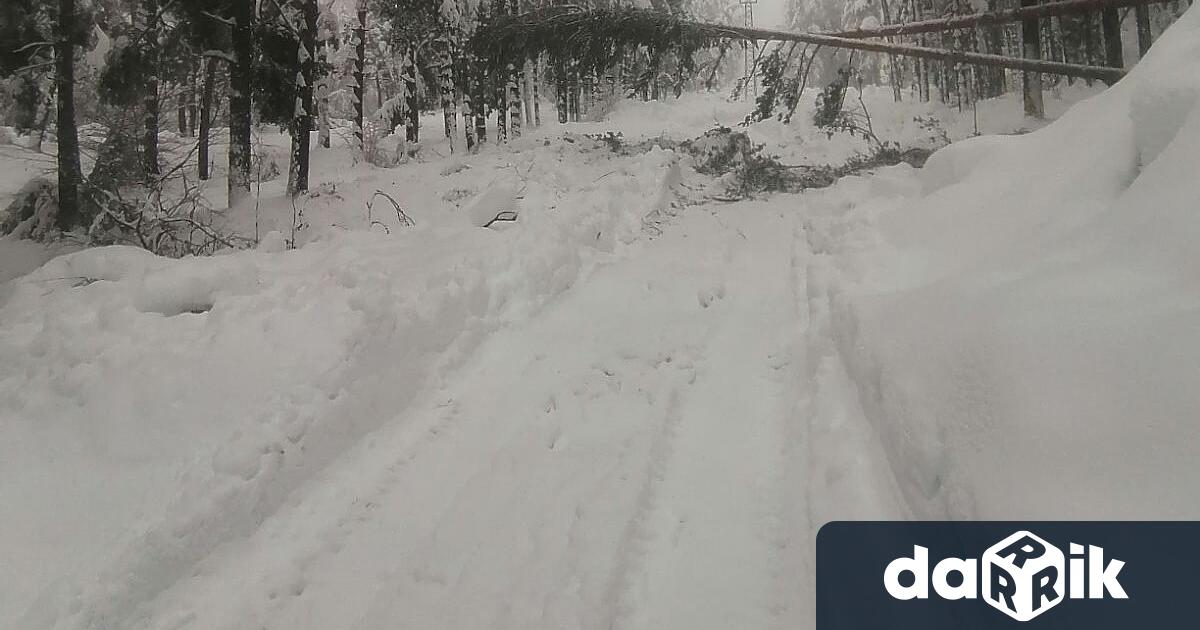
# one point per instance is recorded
(749, 49)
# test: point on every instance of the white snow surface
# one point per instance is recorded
(1022, 319)
(630, 408)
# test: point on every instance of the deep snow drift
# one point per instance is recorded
(632, 407)
(1023, 327)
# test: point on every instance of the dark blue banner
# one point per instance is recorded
(1008, 575)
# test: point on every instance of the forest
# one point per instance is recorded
(192, 68)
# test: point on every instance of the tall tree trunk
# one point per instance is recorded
(302, 121)
(1110, 23)
(1145, 36)
(1031, 82)
(412, 130)
(149, 21)
(893, 65)
(514, 103)
(920, 66)
(446, 87)
(527, 94)
(501, 114)
(480, 107)
(516, 81)
(537, 105)
(191, 99)
(560, 98)
(360, 88)
(1089, 41)
(240, 115)
(993, 41)
(70, 174)
(467, 90)
(324, 137)
(206, 115)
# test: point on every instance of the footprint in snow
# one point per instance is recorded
(706, 298)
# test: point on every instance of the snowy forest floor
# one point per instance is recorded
(632, 407)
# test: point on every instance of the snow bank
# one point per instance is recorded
(1022, 327)
(151, 409)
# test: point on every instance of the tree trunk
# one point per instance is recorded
(560, 100)
(206, 115)
(516, 79)
(149, 21)
(1145, 36)
(480, 118)
(1031, 82)
(1089, 42)
(412, 128)
(1110, 23)
(938, 54)
(360, 63)
(920, 67)
(191, 100)
(527, 94)
(994, 39)
(501, 114)
(514, 103)
(893, 63)
(537, 105)
(467, 88)
(324, 137)
(240, 115)
(70, 174)
(302, 121)
(446, 87)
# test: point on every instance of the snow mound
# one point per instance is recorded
(152, 409)
(1021, 331)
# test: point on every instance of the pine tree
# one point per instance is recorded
(327, 44)
(304, 108)
(207, 94)
(70, 173)
(1032, 81)
(241, 71)
(148, 20)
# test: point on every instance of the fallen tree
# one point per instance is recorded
(992, 18)
(596, 38)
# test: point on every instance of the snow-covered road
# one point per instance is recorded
(558, 480)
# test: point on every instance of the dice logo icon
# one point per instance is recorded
(1023, 576)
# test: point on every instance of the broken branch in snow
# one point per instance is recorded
(506, 216)
(401, 216)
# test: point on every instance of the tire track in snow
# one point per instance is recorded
(636, 531)
(528, 466)
(534, 489)
(713, 529)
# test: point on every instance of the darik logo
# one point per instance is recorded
(1022, 576)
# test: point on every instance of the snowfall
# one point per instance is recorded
(633, 406)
